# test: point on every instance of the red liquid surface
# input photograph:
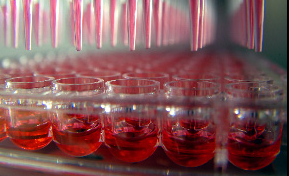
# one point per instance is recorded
(253, 149)
(189, 143)
(131, 139)
(29, 130)
(78, 135)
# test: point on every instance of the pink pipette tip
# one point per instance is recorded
(201, 25)
(243, 19)
(194, 16)
(15, 21)
(89, 21)
(45, 28)
(165, 24)
(72, 23)
(6, 25)
(158, 20)
(78, 22)
(27, 5)
(113, 22)
(132, 18)
(147, 9)
(54, 21)
(124, 24)
(38, 24)
(98, 8)
(259, 10)
(250, 23)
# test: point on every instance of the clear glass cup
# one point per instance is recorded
(3, 111)
(160, 77)
(131, 128)
(28, 129)
(76, 125)
(189, 132)
(106, 75)
(256, 124)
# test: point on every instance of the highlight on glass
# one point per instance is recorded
(189, 131)
(256, 131)
(76, 125)
(29, 129)
(131, 130)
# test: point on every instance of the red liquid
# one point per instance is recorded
(29, 130)
(2, 126)
(252, 150)
(131, 140)
(78, 135)
(189, 143)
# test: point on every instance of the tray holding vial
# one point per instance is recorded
(186, 113)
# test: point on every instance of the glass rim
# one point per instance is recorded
(268, 90)
(176, 76)
(168, 86)
(42, 82)
(155, 83)
(231, 78)
(275, 87)
(161, 75)
(81, 84)
(78, 84)
(49, 78)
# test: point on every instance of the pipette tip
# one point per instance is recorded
(147, 9)
(132, 17)
(98, 8)
(27, 4)
(78, 23)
